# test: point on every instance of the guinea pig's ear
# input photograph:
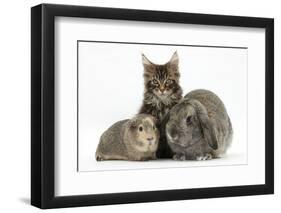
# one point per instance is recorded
(208, 128)
(132, 124)
(155, 120)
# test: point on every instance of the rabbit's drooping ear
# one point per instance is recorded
(209, 133)
(207, 126)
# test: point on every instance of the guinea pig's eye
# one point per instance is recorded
(140, 128)
(188, 120)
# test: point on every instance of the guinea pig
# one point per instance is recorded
(198, 127)
(135, 140)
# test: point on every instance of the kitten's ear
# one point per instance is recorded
(173, 64)
(149, 67)
(174, 61)
(145, 61)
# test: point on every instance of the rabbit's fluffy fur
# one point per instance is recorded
(198, 127)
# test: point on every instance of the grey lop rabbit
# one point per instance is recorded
(198, 127)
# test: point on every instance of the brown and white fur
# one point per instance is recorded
(135, 139)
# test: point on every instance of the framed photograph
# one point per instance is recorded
(139, 106)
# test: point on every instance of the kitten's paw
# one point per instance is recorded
(204, 157)
(179, 157)
(99, 158)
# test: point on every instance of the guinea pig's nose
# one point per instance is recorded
(150, 139)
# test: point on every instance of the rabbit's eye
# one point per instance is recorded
(140, 128)
(188, 120)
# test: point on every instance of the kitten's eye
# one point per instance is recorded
(154, 81)
(140, 128)
(169, 81)
(153, 127)
(188, 120)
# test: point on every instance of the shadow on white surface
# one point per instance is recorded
(25, 200)
(231, 159)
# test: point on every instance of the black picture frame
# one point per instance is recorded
(43, 100)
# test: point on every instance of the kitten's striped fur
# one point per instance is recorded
(161, 88)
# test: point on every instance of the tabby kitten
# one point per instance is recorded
(161, 92)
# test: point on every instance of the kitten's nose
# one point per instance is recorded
(162, 89)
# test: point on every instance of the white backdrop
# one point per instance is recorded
(111, 89)
(68, 181)
(15, 107)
